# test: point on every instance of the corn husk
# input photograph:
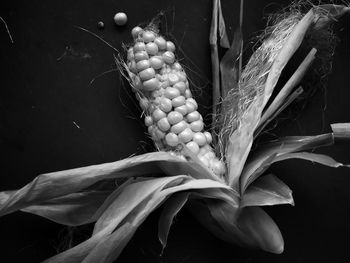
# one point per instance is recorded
(260, 77)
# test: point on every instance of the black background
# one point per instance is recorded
(53, 119)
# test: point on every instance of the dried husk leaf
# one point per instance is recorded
(286, 90)
(229, 66)
(229, 73)
(130, 198)
(266, 154)
(172, 206)
(266, 191)
(131, 206)
(241, 139)
(295, 94)
(341, 130)
(313, 157)
(52, 185)
(110, 247)
(249, 226)
(224, 42)
(72, 209)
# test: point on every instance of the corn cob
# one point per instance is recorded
(162, 89)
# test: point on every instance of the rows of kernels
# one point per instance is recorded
(171, 112)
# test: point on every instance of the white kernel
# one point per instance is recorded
(159, 134)
(130, 55)
(193, 147)
(164, 77)
(156, 94)
(190, 107)
(151, 48)
(193, 101)
(120, 19)
(205, 149)
(136, 31)
(188, 93)
(151, 84)
(161, 43)
(173, 78)
(156, 62)
(197, 126)
(170, 46)
(181, 86)
(165, 84)
(154, 136)
(208, 136)
(132, 75)
(199, 138)
(148, 36)
(140, 55)
(147, 74)
(168, 57)
(163, 124)
(132, 66)
(171, 93)
(151, 107)
(172, 139)
(174, 117)
(186, 135)
(178, 101)
(204, 161)
(210, 155)
(218, 167)
(158, 114)
(165, 104)
(137, 83)
(156, 100)
(179, 127)
(139, 46)
(142, 64)
(177, 66)
(144, 103)
(150, 129)
(193, 116)
(182, 76)
(148, 121)
(163, 70)
(182, 109)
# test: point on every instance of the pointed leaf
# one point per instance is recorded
(224, 42)
(267, 190)
(72, 209)
(288, 87)
(287, 51)
(249, 226)
(313, 157)
(273, 115)
(115, 216)
(341, 130)
(130, 198)
(265, 154)
(172, 206)
(110, 247)
(260, 227)
(229, 67)
(134, 200)
(52, 185)
(329, 13)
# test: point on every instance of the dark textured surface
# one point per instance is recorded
(52, 119)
